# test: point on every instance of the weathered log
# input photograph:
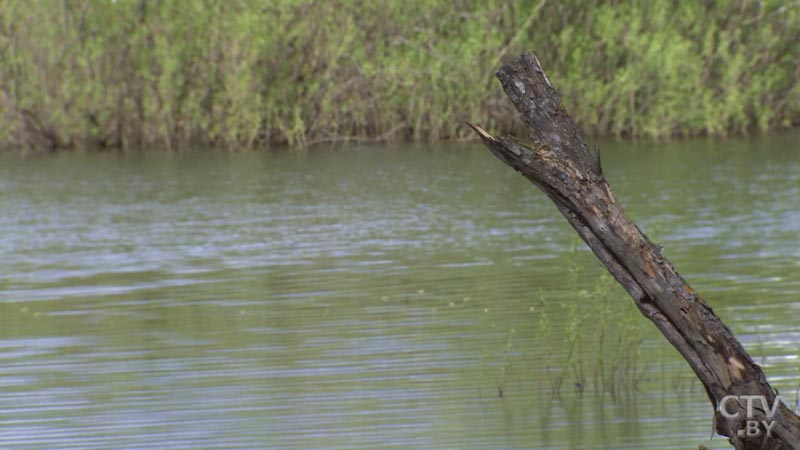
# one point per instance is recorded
(562, 166)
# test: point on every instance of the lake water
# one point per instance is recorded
(412, 297)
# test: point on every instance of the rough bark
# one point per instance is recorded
(562, 166)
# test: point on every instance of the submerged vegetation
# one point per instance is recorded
(138, 73)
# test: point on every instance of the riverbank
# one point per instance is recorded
(242, 74)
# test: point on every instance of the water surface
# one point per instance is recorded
(374, 298)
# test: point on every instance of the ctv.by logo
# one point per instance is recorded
(751, 425)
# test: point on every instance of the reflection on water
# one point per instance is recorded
(372, 298)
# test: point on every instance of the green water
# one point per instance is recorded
(373, 298)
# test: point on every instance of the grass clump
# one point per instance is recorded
(586, 340)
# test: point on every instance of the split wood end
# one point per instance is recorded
(481, 132)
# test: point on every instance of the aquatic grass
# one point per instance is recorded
(506, 367)
(797, 393)
(258, 74)
(545, 357)
(623, 372)
(574, 359)
(595, 356)
(625, 369)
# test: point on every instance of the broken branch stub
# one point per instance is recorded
(562, 166)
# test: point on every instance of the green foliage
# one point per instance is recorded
(173, 74)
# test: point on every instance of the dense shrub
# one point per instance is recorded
(242, 73)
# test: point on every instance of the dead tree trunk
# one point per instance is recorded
(561, 165)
